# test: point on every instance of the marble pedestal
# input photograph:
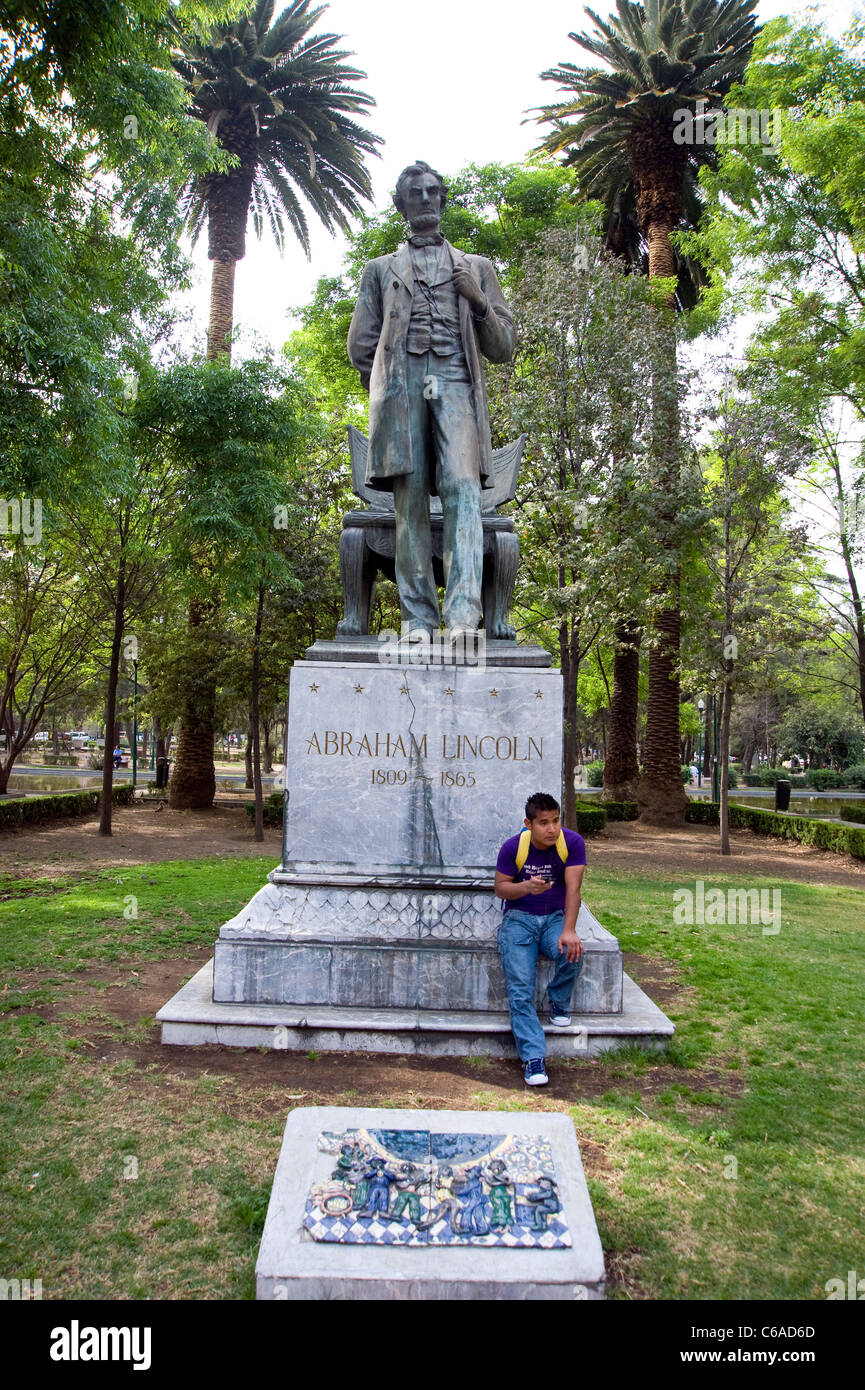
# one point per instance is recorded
(402, 782)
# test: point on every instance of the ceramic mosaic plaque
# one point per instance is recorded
(413, 1187)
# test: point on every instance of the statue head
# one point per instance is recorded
(421, 196)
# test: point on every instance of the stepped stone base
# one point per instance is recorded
(384, 947)
(192, 1019)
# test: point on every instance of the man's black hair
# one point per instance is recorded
(540, 801)
(420, 166)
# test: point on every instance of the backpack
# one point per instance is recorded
(525, 843)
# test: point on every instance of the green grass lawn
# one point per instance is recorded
(733, 1170)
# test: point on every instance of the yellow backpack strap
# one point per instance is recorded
(562, 847)
(523, 848)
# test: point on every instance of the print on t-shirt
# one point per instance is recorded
(541, 863)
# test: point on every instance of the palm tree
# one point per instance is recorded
(281, 100)
(622, 128)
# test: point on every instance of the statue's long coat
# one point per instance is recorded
(377, 348)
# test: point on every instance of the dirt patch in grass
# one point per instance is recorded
(74, 848)
(143, 835)
(110, 1009)
(659, 978)
(629, 847)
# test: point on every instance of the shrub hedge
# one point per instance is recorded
(272, 809)
(768, 776)
(33, 810)
(594, 774)
(853, 810)
(823, 834)
(590, 818)
(616, 810)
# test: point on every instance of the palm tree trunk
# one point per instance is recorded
(621, 771)
(221, 310)
(193, 782)
(661, 794)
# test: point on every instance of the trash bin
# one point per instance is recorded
(782, 794)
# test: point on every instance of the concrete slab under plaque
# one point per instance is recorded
(292, 1265)
(191, 1019)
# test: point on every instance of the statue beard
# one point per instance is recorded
(426, 223)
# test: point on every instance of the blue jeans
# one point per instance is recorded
(522, 936)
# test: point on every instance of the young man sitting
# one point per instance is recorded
(539, 875)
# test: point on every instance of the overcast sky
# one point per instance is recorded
(452, 82)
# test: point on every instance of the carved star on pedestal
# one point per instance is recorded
(449, 691)
(403, 690)
(314, 689)
(539, 694)
(494, 693)
(358, 690)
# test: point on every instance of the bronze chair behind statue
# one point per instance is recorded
(368, 542)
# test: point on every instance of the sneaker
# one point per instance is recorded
(535, 1072)
(559, 1020)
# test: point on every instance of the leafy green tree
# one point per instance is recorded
(751, 547)
(827, 737)
(785, 231)
(619, 127)
(44, 634)
(235, 436)
(582, 509)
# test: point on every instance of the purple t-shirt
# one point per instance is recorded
(547, 864)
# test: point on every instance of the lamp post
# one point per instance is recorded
(701, 705)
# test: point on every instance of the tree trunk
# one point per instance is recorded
(570, 670)
(660, 793)
(248, 753)
(724, 741)
(658, 168)
(111, 698)
(267, 727)
(193, 782)
(621, 771)
(256, 720)
(221, 310)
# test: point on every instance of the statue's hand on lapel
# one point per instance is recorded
(470, 289)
